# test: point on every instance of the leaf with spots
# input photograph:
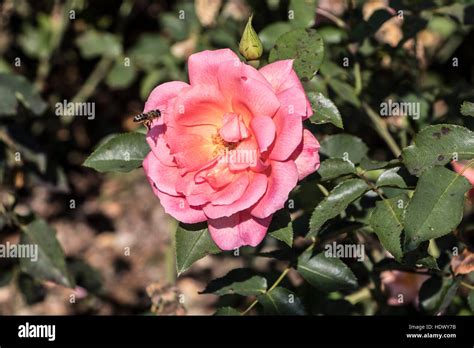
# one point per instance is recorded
(305, 46)
(438, 145)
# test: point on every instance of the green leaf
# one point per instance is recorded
(227, 311)
(281, 301)
(37, 41)
(32, 290)
(326, 273)
(470, 300)
(336, 202)
(369, 164)
(391, 178)
(345, 91)
(324, 110)
(241, 281)
(14, 88)
(150, 50)
(345, 146)
(438, 145)
(272, 32)
(150, 81)
(305, 46)
(94, 44)
(173, 26)
(120, 153)
(121, 75)
(335, 167)
(387, 222)
(281, 227)
(467, 109)
(8, 102)
(50, 263)
(420, 257)
(192, 244)
(303, 13)
(436, 294)
(436, 207)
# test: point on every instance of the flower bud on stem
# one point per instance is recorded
(250, 45)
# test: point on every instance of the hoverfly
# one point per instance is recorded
(147, 117)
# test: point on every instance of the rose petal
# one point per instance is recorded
(233, 191)
(282, 77)
(249, 92)
(202, 66)
(283, 178)
(306, 156)
(238, 230)
(163, 176)
(176, 206)
(289, 129)
(264, 129)
(159, 97)
(155, 140)
(255, 190)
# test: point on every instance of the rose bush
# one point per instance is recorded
(230, 145)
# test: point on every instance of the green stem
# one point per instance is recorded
(97, 75)
(358, 79)
(324, 190)
(381, 129)
(358, 296)
(59, 20)
(275, 284)
(469, 286)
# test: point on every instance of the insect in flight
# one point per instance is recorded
(147, 117)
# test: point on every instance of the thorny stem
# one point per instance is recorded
(381, 129)
(278, 281)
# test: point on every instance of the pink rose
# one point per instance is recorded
(230, 145)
